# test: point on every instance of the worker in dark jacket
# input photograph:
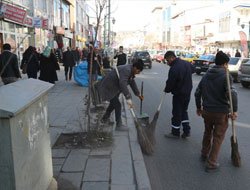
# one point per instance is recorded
(110, 87)
(179, 83)
(10, 72)
(122, 57)
(214, 108)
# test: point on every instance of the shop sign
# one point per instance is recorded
(68, 34)
(60, 30)
(12, 13)
(45, 23)
(37, 22)
(28, 21)
(79, 38)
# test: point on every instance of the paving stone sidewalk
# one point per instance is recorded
(119, 167)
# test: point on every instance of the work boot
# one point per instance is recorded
(171, 135)
(185, 135)
(105, 118)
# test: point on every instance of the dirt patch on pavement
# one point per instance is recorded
(93, 139)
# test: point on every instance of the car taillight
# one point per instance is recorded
(206, 63)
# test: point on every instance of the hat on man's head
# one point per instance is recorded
(221, 58)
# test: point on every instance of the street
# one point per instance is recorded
(175, 164)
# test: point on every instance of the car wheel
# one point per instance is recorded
(198, 72)
(245, 84)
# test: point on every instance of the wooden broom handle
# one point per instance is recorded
(162, 99)
(231, 103)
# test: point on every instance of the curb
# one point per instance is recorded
(141, 174)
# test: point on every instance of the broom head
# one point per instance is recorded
(150, 129)
(235, 155)
(143, 140)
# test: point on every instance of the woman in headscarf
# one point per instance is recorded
(30, 62)
(48, 66)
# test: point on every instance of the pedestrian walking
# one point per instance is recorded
(9, 70)
(110, 87)
(212, 102)
(237, 54)
(68, 63)
(76, 56)
(30, 62)
(96, 64)
(84, 53)
(122, 57)
(179, 83)
(48, 66)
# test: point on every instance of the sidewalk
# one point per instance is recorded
(119, 167)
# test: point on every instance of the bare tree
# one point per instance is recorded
(99, 7)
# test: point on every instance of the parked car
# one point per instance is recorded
(244, 74)
(202, 63)
(179, 53)
(190, 57)
(144, 55)
(234, 66)
(160, 57)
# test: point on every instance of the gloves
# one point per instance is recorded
(129, 102)
(141, 97)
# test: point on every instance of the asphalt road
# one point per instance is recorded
(175, 164)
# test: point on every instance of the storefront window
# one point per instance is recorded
(66, 42)
(41, 5)
(10, 39)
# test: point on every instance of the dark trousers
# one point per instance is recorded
(68, 69)
(180, 114)
(216, 125)
(115, 105)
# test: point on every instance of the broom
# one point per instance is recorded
(235, 155)
(143, 140)
(150, 130)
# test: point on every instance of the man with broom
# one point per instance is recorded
(110, 87)
(214, 108)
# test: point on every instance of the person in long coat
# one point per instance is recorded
(68, 63)
(48, 66)
(30, 58)
(110, 87)
(96, 64)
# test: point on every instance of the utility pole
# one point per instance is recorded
(109, 23)
(104, 32)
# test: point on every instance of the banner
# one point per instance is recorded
(244, 44)
(12, 13)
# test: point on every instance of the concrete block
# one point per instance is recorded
(136, 151)
(58, 161)
(69, 181)
(123, 187)
(76, 160)
(95, 186)
(97, 170)
(101, 152)
(141, 174)
(122, 167)
(60, 153)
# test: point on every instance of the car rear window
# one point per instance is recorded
(189, 56)
(142, 54)
(209, 57)
(233, 61)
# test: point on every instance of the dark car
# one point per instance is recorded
(202, 63)
(244, 74)
(144, 55)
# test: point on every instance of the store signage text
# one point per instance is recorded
(12, 13)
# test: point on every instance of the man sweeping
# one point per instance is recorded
(110, 87)
(214, 108)
(179, 83)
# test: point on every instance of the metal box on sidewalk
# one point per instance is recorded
(25, 151)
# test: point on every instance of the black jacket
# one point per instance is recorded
(12, 70)
(68, 59)
(179, 80)
(213, 91)
(33, 64)
(95, 66)
(122, 59)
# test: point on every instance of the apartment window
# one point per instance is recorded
(57, 15)
(65, 15)
(224, 22)
(41, 5)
